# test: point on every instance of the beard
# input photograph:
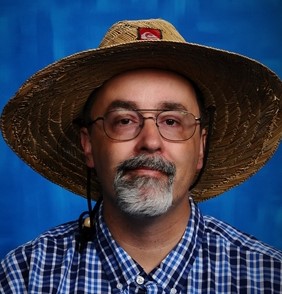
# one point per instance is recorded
(142, 195)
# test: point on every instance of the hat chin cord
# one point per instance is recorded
(86, 223)
(211, 111)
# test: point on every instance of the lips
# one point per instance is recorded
(145, 171)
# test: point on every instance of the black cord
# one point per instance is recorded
(87, 232)
(88, 189)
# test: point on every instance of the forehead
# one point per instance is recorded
(146, 88)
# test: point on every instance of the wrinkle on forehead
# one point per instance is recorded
(132, 105)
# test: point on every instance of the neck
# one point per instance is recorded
(148, 240)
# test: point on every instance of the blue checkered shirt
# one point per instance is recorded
(212, 257)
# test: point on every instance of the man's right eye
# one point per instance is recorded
(124, 119)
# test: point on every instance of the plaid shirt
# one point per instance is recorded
(212, 257)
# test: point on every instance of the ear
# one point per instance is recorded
(203, 140)
(85, 140)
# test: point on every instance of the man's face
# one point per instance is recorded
(147, 175)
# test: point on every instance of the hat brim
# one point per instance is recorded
(37, 122)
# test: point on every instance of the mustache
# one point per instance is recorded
(152, 162)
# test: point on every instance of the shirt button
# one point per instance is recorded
(140, 280)
(119, 286)
(173, 291)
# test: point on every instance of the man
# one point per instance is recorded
(160, 124)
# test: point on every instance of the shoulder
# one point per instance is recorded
(57, 237)
(218, 232)
(61, 236)
(14, 269)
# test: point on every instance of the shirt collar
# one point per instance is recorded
(121, 269)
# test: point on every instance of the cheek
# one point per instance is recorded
(107, 156)
(186, 167)
(104, 170)
(103, 163)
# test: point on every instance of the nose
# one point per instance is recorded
(149, 139)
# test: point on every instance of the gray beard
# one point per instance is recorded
(144, 196)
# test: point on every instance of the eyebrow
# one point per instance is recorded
(133, 106)
(172, 106)
(121, 104)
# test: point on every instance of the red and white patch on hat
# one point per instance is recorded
(149, 34)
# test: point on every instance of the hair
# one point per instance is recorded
(84, 118)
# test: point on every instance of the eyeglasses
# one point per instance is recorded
(125, 125)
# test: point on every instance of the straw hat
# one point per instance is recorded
(37, 121)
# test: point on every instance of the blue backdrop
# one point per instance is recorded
(36, 33)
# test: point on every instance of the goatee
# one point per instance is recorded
(144, 195)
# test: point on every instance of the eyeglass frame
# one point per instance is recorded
(198, 121)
